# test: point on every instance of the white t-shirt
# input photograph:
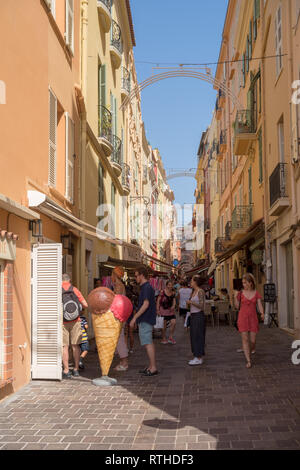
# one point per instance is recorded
(184, 295)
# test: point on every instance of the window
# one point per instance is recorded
(250, 40)
(70, 154)
(260, 156)
(100, 184)
(113, 211)
(101, 85)
(52, 138)
(244, 71)
(256, 16)
(278, 40)
(280, 131)
(69, 35)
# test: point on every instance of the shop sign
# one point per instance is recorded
(132, 253)
(257, 256)
(7, 249)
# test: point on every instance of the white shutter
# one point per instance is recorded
(69, 35)
(70, 150)
(52, 138)
(47, 318)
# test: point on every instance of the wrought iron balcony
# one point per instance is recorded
(219, 245)
(116, 157)
(105, 129)
(126, 177)
(126, 83)
(104, 11)
(116, 45)
(228, 231)
(278, 196)
(245, 131)
(241, 221)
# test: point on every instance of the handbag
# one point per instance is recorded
(159, 323)
(235, 323)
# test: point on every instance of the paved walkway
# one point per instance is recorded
(219, 405)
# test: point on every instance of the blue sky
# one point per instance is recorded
(176, 111)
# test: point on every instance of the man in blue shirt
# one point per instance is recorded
(146, 319)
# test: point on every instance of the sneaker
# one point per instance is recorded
(171, 341)
(196, 362)
(81, 365)
(239, 350)
(66, 376)
(164, 342)
(76, 373)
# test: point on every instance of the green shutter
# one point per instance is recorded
(250, 40)
(100, 185)
(247, 55)
(260, 156)
(250, 184)
(257, 8)
(244, 69)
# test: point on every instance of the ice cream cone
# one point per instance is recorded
(107, 330)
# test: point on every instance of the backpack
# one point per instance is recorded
(71, 305)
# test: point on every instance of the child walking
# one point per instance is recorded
(84, 346)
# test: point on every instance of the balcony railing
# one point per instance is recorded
(278, 183)
(125, 175)
(105, 123)
(116, 156)
(219, 245)
(116, 37)
(244, 123)
(107, 3)
(228, 231)
(126, 85)
(241, 217)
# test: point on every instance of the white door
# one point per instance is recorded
(47, 320)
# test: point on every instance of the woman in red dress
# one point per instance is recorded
(246, 301)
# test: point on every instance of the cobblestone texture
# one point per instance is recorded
(219, 405)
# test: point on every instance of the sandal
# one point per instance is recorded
(248, 365)
(148, 373)
(121, 368)
(143, 371)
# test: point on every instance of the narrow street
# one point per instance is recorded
(220, 405)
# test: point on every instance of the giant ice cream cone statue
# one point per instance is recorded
(109, 311)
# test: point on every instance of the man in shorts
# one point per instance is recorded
(72, 333)
(145, 317)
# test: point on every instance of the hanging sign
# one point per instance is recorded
(257, 256)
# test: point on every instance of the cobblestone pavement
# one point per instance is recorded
(219, 405)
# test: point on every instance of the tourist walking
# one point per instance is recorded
(165, 307)
(184, 295)
(197, 320)
(247, 301)
(146, 319)
(119, 289)
(73, 301)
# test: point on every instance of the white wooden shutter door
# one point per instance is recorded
(52, 138)
(69, 156)
(47, 319)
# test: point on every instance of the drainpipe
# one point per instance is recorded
(82, 189)
(265, 169)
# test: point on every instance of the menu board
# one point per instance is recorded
(270, 293)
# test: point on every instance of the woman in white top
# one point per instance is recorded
(184, 295)
(197, 321)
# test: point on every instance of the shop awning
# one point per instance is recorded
(212, 268)
(256, 230)
(197, 270)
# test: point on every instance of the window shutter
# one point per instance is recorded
(250, 184)
(100, 184)
(102, 81)
(69, 36)
(47, 311)
(260, 156)
(70, 151)
(52, 138)
(250, 40)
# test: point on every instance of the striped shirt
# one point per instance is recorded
(83, 329)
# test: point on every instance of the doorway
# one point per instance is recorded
(289, 284)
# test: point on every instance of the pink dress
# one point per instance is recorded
(247, 318)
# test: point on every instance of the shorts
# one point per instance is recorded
(145, 333)
(72, 333)
(85, 346)
(183, 312)
(169, 317)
